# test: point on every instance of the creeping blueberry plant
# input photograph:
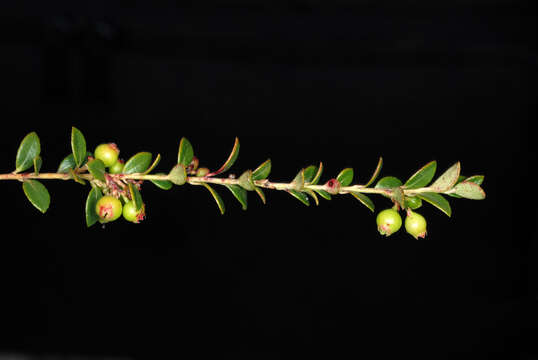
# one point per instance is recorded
(116, 184)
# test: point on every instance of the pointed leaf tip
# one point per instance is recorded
(78, 146)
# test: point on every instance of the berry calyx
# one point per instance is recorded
(388, 222)
(415, 224)
(108, 208)
(131, 214)
(117, 167)
(107, 153)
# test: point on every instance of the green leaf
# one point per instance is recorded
(301, 196)
(345, 177)
(185, 153)
(245, 180)
(230, 161)
(239, 193)
(388, 182)
(312, 195)
(413, 202)
(162, 184)
(376, 172)
(29, 149)
(398, 196)
(422, 177)
(37, 164)
(298, 182)
(469, 190)
(262, 171)
(309, 173)
(476, 179)
(447, 180)
(153, 165)
(324, 194)
(135, 196)
(216, 196)
(37, 193)
(138, 163)
(69, 163)
(260, 193)
(97, 168)
(438, 201)
(75, 177)
(178, 174)
(316, 178)
(91, 202)
(365, 200)
(78, 146)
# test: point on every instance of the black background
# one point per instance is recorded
(298, 82)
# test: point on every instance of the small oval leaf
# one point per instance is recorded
(447, 180)
(162, 184)
(29, 149)
(309, 173)
(324, 194)
(78, 146)
(376, 172)
(37, 164)
(135, 196)
(388, 182)
(239, 193)
(301, 196)
(230, 161)
(262, 171)
(185, 153)
(216, 196)
(312, 195)
(365, 200)
(138, 163)
(153, 165)
(69, 163)
(345, 177)
(469, 190)
(178, 175)
(477, 179)
(422, 177)
(413, 202)
(260, 193)
(438, 201)
(97, 168)
(91, 201)
(37, 194)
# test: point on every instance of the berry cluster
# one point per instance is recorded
(118, 200)
(389, 221)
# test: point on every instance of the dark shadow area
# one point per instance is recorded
(298, 83)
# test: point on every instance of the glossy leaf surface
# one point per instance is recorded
(135, 196)
(230, 161)
(313, 195)
(153, 165)
(239, 193)
(302, 197)
(324, 194)
(91, 201)
(309, 173)
(422, 177)
(345, 177)
(28, 150)
(69, 163)
(138, 163)
(438, 201)
(262, 171)
(388, 182)
(97, 168)
(78, 146)
(185, 153)
(413, 202)
(37, 194)
(162, 184)
(216, 197)
(317, 177)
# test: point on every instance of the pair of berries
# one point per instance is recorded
(108, 154)
(108, 208)
(389, 221)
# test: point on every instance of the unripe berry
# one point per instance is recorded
(117, 167)
(415, 224)
(108, 208)
(131, 214)
(203, 171)
(388, 222)
(107, 153)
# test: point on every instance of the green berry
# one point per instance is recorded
(107, 153)
(415, 224)
(131, 214)
(388, 222)
(108, 208)
(203, 171)
(117, 167)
